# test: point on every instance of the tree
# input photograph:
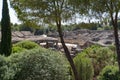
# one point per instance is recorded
(111, 8)
(5, 45)
(48, 11)
(99, 7)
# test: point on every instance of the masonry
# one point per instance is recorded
(75, 40)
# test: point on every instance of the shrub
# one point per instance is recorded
(101, 56)
(26, 44)
(17, 49)
(84, 67)
(2, 67)
(107, 27)
(113, 48)
(109, 73)
(37, 64)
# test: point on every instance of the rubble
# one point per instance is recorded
(76, 40)
(83, 37)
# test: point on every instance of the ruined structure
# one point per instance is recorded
(76, 40)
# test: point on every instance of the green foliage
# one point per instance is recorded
(26, 45)
(107, 27)
(90, 26)
(52, 28)
(15, 27)
(2, 67)
(84, 67)
(40, 10)
(37, 64)
(109, 73)
(113, 48)
(100, 28)
(5, 46)
(17, 49)
(24, 27)
(101, 56)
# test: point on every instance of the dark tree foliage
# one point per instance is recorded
(5, 46)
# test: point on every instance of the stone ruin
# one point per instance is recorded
(86, 38)
(81, 38)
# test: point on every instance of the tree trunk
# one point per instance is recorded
(117, 44)
(5, 46)
(67, 53)
(115, 27)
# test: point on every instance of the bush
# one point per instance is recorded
(84, 67)
(113, 48)
(2, 67)
(17, 49)
(107, 27)
(26, 44)
(37, 64)
(109, 73)
(101, 56)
